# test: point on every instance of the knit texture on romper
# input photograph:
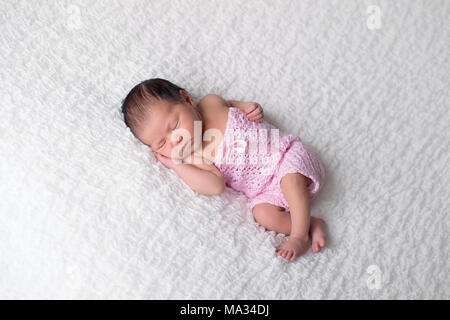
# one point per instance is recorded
(254, 156)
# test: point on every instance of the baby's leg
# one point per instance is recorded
(274, 218)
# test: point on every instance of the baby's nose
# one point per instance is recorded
(178, 140)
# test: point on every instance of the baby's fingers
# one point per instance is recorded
(256, 111)
(250, 108)
(164, 160)
(257, 118)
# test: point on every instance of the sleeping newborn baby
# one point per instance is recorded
(218, 143)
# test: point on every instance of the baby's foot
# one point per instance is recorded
(318, 236)
(293, 248)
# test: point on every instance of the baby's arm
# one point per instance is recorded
(252, 110)
(203, 180)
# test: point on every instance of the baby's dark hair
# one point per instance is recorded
(138, 100)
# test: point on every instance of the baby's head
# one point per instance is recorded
(161, 115)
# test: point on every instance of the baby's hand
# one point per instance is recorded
(167, 162)
(254, 112)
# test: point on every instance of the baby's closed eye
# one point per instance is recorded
(175, 126)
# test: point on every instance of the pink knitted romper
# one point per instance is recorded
(252, 161)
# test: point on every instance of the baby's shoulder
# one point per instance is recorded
(214, 110)
(213, 106)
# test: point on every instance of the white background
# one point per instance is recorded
(87, 212)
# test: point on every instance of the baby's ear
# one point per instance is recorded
(186, 97)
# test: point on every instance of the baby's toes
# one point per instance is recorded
(322, 242)
(287, 255)
(315, 247)
(291, 255)
(294, 256)
(318, 244)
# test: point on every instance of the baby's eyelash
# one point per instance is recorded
(176, 125)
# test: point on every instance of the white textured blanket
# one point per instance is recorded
(87, 212)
